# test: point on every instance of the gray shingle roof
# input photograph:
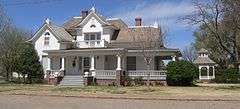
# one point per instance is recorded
(203, 60)
(72, 23)
(60, 32)
(202, 50)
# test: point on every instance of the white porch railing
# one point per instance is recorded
(55, 73)
(154, 74)
(92, 44)
(105, 74)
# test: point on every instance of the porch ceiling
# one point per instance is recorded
(85, 52)
(158, 52)
(111, 51)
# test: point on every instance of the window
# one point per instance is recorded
(46, 40)
(92, 36)
(158, 63)
(93, 26)
(86, 37)
(131, 63)
(98, 36)
(204, 71)
(47, 34)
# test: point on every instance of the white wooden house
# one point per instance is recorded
(98, 46)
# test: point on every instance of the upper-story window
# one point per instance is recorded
(46, 38)
(92, 36)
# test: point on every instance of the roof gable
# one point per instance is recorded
(96, 16)
(58, 32)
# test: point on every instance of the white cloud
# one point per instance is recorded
(166, 13)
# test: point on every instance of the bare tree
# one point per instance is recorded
(220, 24)
(148, 40)
(189, 53)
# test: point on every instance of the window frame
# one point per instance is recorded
(92, 36)
(46, 41)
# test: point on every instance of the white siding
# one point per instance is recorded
(39, 44)
(100, 62)
(140, 64)
(110, 62)
(87, 29)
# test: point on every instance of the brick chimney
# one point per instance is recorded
(138, 21)
(84, 14)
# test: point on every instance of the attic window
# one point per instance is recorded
(93, 26)
(46, 40)
(47, 34)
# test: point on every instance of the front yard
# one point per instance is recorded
(158, 92)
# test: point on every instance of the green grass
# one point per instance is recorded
(156, 91)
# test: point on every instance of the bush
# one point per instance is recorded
(181, 73)
(138, 81)
(230, 75)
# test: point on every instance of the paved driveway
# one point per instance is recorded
(46, 102)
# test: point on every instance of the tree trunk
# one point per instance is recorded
(7, 74)
(148, 76)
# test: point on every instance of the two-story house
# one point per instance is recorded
(92, 45)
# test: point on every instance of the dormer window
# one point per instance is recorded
(47, 34)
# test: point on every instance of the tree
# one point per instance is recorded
(218, 22)
(10, 41)
(4, 24)
(189, 53)
(148, 39)
(28, 64)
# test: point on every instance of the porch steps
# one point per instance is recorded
(73, 80)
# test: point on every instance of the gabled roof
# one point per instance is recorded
(117, 23)
(202, 50)
(128, 34)
(203, 60)
(59, 32)
(99, 17)
(72, 23)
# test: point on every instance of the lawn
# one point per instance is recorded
(214, 91)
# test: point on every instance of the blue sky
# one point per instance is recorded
(30, 14)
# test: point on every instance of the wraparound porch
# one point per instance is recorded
(107, 64)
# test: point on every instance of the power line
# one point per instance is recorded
(28, 2)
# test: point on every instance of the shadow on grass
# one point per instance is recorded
(228, 88)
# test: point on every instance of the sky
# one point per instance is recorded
(30, 14)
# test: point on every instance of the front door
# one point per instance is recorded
(84, 65)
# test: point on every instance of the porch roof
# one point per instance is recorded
(111, 51)
(161, 51)
(86, 51)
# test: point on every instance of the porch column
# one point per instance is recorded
(63, 63)
(174, 58)
(48, 63)
(119, 66)
(118, 70)
(92, 63)
(200, 71)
